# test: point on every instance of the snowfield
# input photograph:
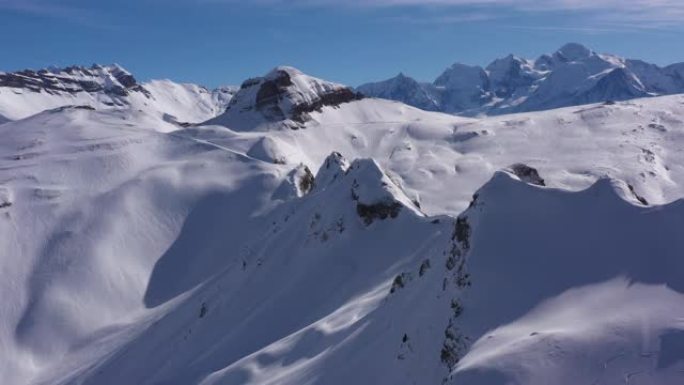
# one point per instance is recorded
(308, 235)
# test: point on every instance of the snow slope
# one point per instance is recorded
(577, 287)
(431, 153)
(369, 242)
(573, 75)
(28, 92)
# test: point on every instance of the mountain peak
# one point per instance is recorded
(284, 94)
(400, 78)
(333, 168)
(462, 75)
(372, 189)
(280, 70)
(573, 52)
(572, 75)
(403, 88)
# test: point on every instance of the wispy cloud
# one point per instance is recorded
(649, 12)
(441, 19)
(589, 14)
(587, 30)
(46, 8)
(56, 9)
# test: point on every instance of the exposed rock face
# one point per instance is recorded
(527, 174)
(380, 210)
(299, 182)
(306, 181)
(109, 79)
(28, 92)
(269, 93)
(332, 98)
(284, 95)
(377, 197)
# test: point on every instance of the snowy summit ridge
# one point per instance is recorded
(27, 92)
(572, 75)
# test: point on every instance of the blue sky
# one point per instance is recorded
(216, 42)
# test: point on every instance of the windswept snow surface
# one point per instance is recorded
(375, 243)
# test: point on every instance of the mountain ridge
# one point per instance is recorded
(310, 235)
(27, 92)
(215, 256)
(572, 75)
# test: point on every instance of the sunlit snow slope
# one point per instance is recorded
(359, 241)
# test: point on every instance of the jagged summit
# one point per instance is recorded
(371, 185)
(618, 84)
(112, 79)
(333, 168)
(283, 95)
(405, 89)
(572, 75)
(510, 74)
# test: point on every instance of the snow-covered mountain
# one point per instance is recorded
(284, 95)
(28, 92)
(573, 75)
(406, 90)
(309, 235)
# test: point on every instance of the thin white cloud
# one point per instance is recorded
(47, 8)
(600, 13)
(57, 9)
(654, 12)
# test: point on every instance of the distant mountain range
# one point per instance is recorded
(27, 92)
(572, 75)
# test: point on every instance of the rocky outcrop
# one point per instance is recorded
(111, 79)
(28, 92)
(527, 174)
(284, 95)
